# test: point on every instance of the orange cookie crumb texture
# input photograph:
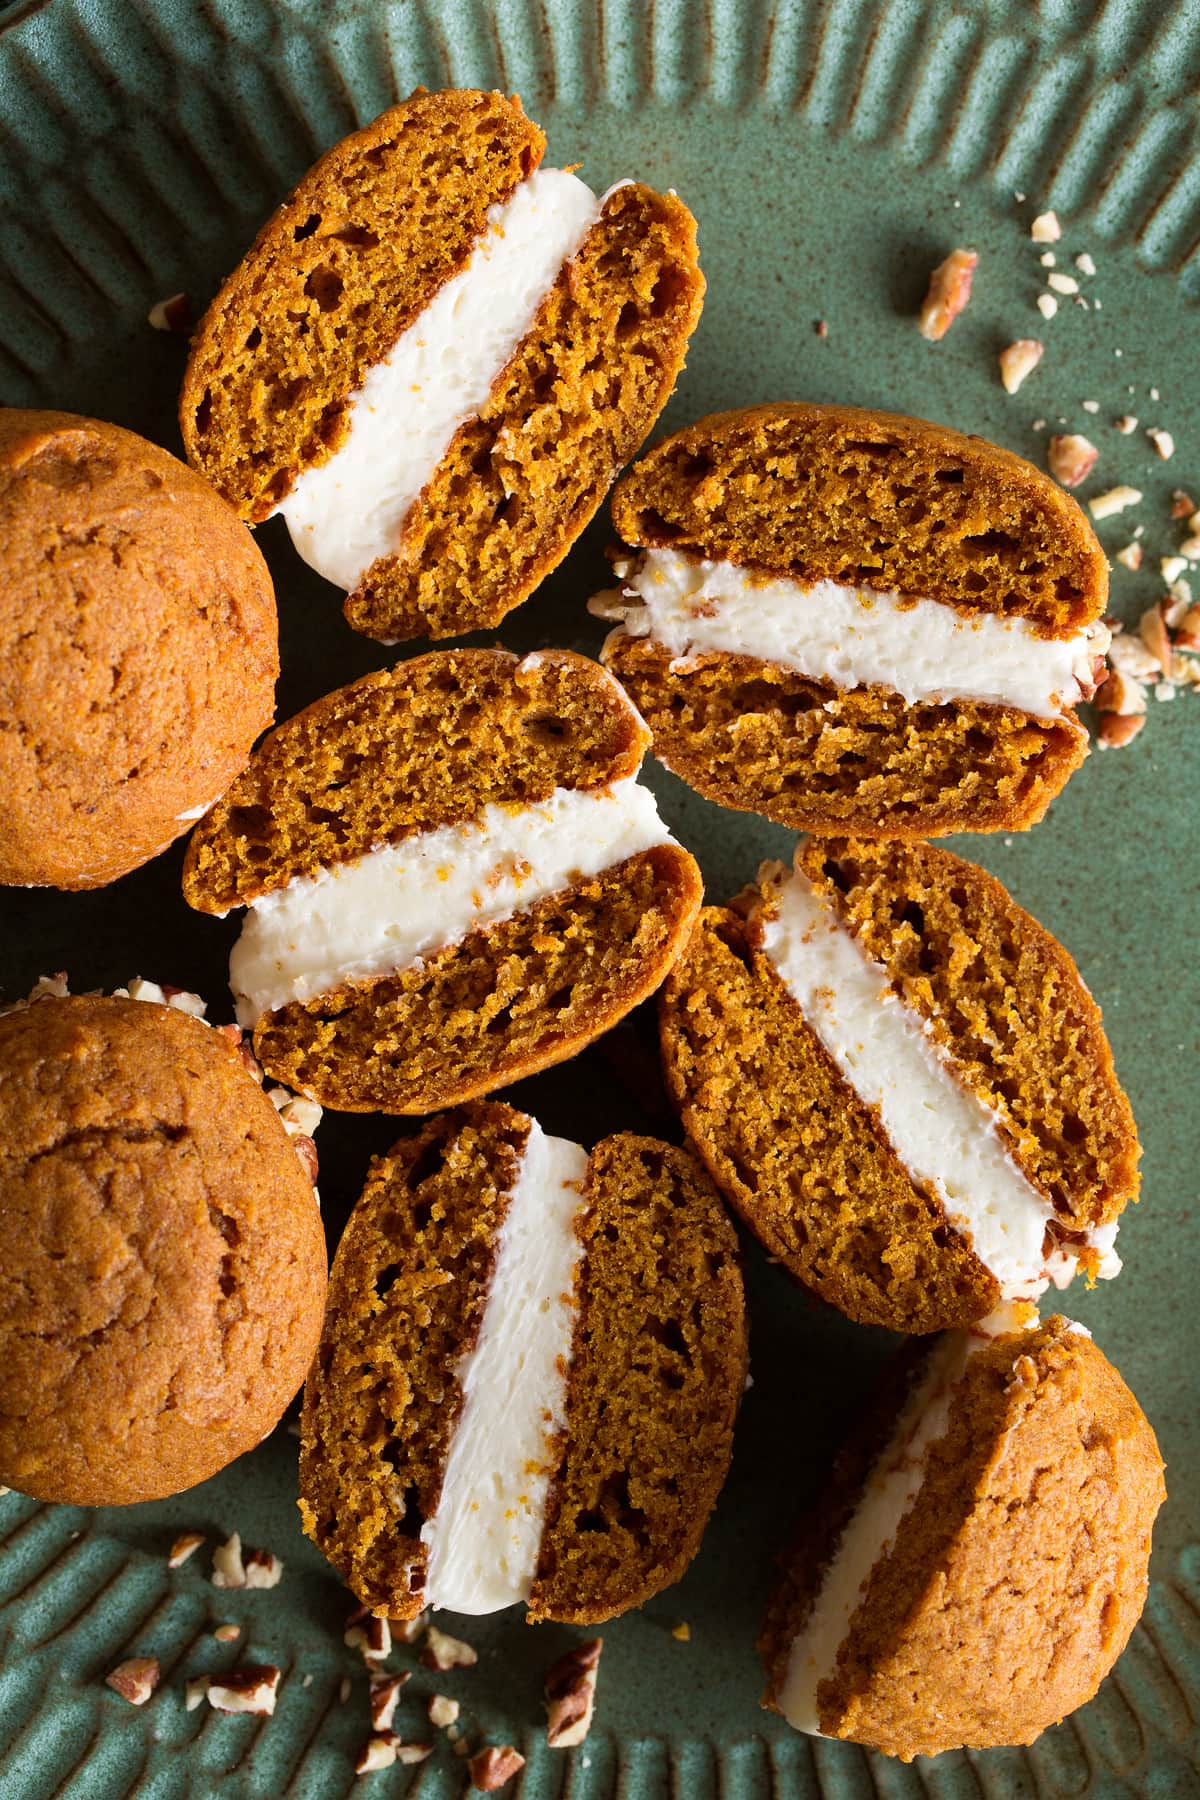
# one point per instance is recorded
(655, 1371)
(1014, 1577)
(352, 259)
(427, 745)
(803, 1156)
(138, 645)
(896, 510)
(164, 1275)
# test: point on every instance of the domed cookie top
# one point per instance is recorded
(434, 358)
(980, 1557)
(851, 621)
(164, 1270)
(529, 1374)
(900, 1081)
(139, 647)
(454, 879)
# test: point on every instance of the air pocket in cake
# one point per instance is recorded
(899, 1080)
(453, 877)
(531, 1365)
(850, 621)
(979, 1558)
(435, 357)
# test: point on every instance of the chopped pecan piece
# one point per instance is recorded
(251, 1689)
(445, 1652)
(1118, 729)
(570, 1687)
(1071, 458)
(184, 1546)
(1019, 359)
(385, 1692)
(494, 1768)
(949, 291)
(135, 1680)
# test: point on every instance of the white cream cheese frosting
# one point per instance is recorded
(400, 903)
(485, 1535)
(942, 1131)
(344, 513)
(855, 637)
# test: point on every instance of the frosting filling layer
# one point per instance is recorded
(400, 903)
(943, 1132)
(485, 1536)
(854, 637)
(344, 513)
(891, 1488)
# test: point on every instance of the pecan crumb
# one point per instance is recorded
(263, 1570)
(494, 1768)
(1125, 424)
(226, 1634)
(1071, 458)
(1047, 305)
(1131, 555)
(949, 291)
(1163, 442)
(443, 1710)
(1019, 359)
(821, 327)
(251, 1689)
(1046, 229)
(445, 1652)
(184, 1546)
(385, 1692)
(195, 1692)
(172, 314)
(683, 1632)
(570, 1688)
(368, 1634)
(1118, 729)
(384, 1749)
(228, 1570)
(1113, 500)
(135, 1680)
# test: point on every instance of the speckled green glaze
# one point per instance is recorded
(832, 152)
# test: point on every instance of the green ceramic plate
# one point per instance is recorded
(832, 150)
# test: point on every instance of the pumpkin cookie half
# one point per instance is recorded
(436, 356)
(980, 1557)
(899, 1080)
(530, 1369)
(851, 621)
(453, 879)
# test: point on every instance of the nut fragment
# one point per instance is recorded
(443, 1710)
(196, 1692)
(445, 1652)
(1062, 284)
(1187, 636)
(1047, 305)
(1130, 555)
(407, 1631)
(1125, 424)
(384, 1749)
(1120, 693)
(1172, 567)
(184, 1546)
(263, 1570)
(385, 1692)
(1182, 505)
(1163, 442)
(1113, 500)
(1152, 629)
(1046, 229)
(1115, 730)
(135, 1680)
(1071, 458)
(228, 1570)
(1084, 263)
(368, 1634)
(949, 291)
(227, 1634)
(1019, 359)
(570, 1688)
(251, 1689)
(495, 1767)
(172, 314)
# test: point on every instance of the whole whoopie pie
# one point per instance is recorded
(138, 649)
(164, 1270)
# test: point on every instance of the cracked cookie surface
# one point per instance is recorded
(164, 1276)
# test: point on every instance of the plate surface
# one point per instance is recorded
(833, 150)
